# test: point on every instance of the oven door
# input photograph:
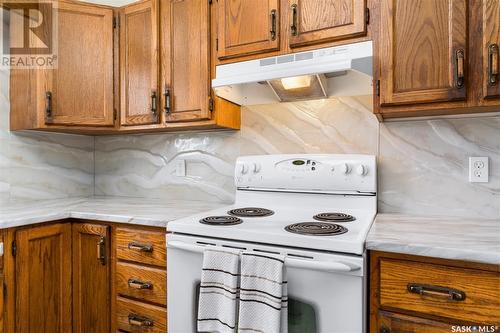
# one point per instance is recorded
(326, 291)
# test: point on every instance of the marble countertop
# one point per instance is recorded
(151, 212)
(469, 239)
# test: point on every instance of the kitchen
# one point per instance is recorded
(160, 114)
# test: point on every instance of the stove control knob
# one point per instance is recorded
(345, 168)
(243, 168)
(361, 170)
(255, 167)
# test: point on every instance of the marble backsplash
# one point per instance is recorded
(423, 164)
(36, 165)
(144, 165)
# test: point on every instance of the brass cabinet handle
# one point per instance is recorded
(138, 284)
(154, 106)
(48, 105)
(140, 247)
(167, 95)
(493, 64)
(435, 291)
(136, 320)
(460, 75)
(273, 24)
(294, 27)
(101, 250)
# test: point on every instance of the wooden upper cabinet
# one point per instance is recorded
(247, 27)
(43, 279)
(185, 60)
(320, 21)
(91, 278)
(423, 54)
(139, 63)
(491, 48)
(80, 90)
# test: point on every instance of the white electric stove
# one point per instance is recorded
(314, 209)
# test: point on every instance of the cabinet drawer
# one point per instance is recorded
(142, 246)
(142, 282)
(393, 323)
(444, 291)
(135, 317)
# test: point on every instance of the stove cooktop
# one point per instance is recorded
(293, 223)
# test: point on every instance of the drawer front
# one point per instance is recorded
(145, 283)
(137, 317)
(457, 293)
(142, 246)
(394, 323)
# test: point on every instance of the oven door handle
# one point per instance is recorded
(329, 266)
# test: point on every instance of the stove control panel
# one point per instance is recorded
(315, 172)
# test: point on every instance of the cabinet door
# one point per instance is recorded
(80, 90)
(139, 63)
(319, 21)
(186, 60)
(43, 279)
(491, 45)
(423, 52)
(395, 323)
(91, 278)
(247, 27)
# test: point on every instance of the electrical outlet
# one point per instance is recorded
(180, 168)
(478, 169)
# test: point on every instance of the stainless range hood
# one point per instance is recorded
(336, 71)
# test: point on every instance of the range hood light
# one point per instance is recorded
(296, 82)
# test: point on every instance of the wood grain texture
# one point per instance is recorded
(82, 84)
(186, 59)
(91, 279)
(490, 13)
(126, 236)
(320, 21)
(475, 77)
(126, 307)
(157, 277)
(244, 27)
(43, 279)
(139, 62)
(406, 324)
(418, 46)
(482, 290)
(390, 273)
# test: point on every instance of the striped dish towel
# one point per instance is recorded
(219, 290)
(263, 294)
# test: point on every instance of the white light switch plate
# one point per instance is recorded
(478, 169)
(180, 168)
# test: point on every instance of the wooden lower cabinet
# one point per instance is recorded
(427, 295)
(140, 284)
(64, 276)
(43, 279)
(391, 322)
(91, 278)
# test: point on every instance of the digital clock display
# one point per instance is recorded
(298, 162)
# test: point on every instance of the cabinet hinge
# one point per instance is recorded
(367, 16)
(14, 248)
(211, 104)
(217, 44)
(377, 87)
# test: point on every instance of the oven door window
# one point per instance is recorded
(301, 316)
